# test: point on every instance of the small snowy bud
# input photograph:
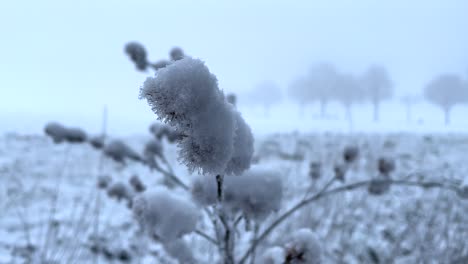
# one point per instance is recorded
(119, 191)
(303, 247)
(137, 54)
(315, 170)
(137, 185)
(386, 165)
(340, 172)
(104, 181)
(350, 154)
(164, 214)
(154, 148)
(379, 186)
(232, 99)
(176, 53)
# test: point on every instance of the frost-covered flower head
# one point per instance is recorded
(256, 193)
(137, 54)
(163, 214)
(303, 247)
(186, 96)
(119, 151)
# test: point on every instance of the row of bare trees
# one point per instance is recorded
(324, 83)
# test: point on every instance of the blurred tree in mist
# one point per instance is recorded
(408, 101)
(348, 92)
(378, 87)
(265, 94)
(446, 91)
(316, 86)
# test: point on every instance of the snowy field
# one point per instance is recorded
(53, 212)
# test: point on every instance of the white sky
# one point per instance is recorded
(63, 60)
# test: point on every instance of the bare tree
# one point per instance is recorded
(297, 92)
(322, 78)
(408, 101)
(266, 94)
(316, 86)
(446, 91)
(348, 92)
(378, 87)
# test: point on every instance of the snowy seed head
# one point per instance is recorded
(256, 193)
(176, 53)
(350, 154)
(303, 247)
(75, 135)
(158, 130)
(180, 250)
(315, 170)
(186, 96)
(97, 142)
(137, 185)
(340, 172)
(386, 165)
(462, 191)
(243, 148)
(180, 91)
(378, 187)
(163, 214)
(232, 99)
(60, 133)
(119, 191)
(56, 131)
(137, 54)
(104, 181)
(154, 148)
(119, 151)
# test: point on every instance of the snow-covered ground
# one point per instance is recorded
(51, 208)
